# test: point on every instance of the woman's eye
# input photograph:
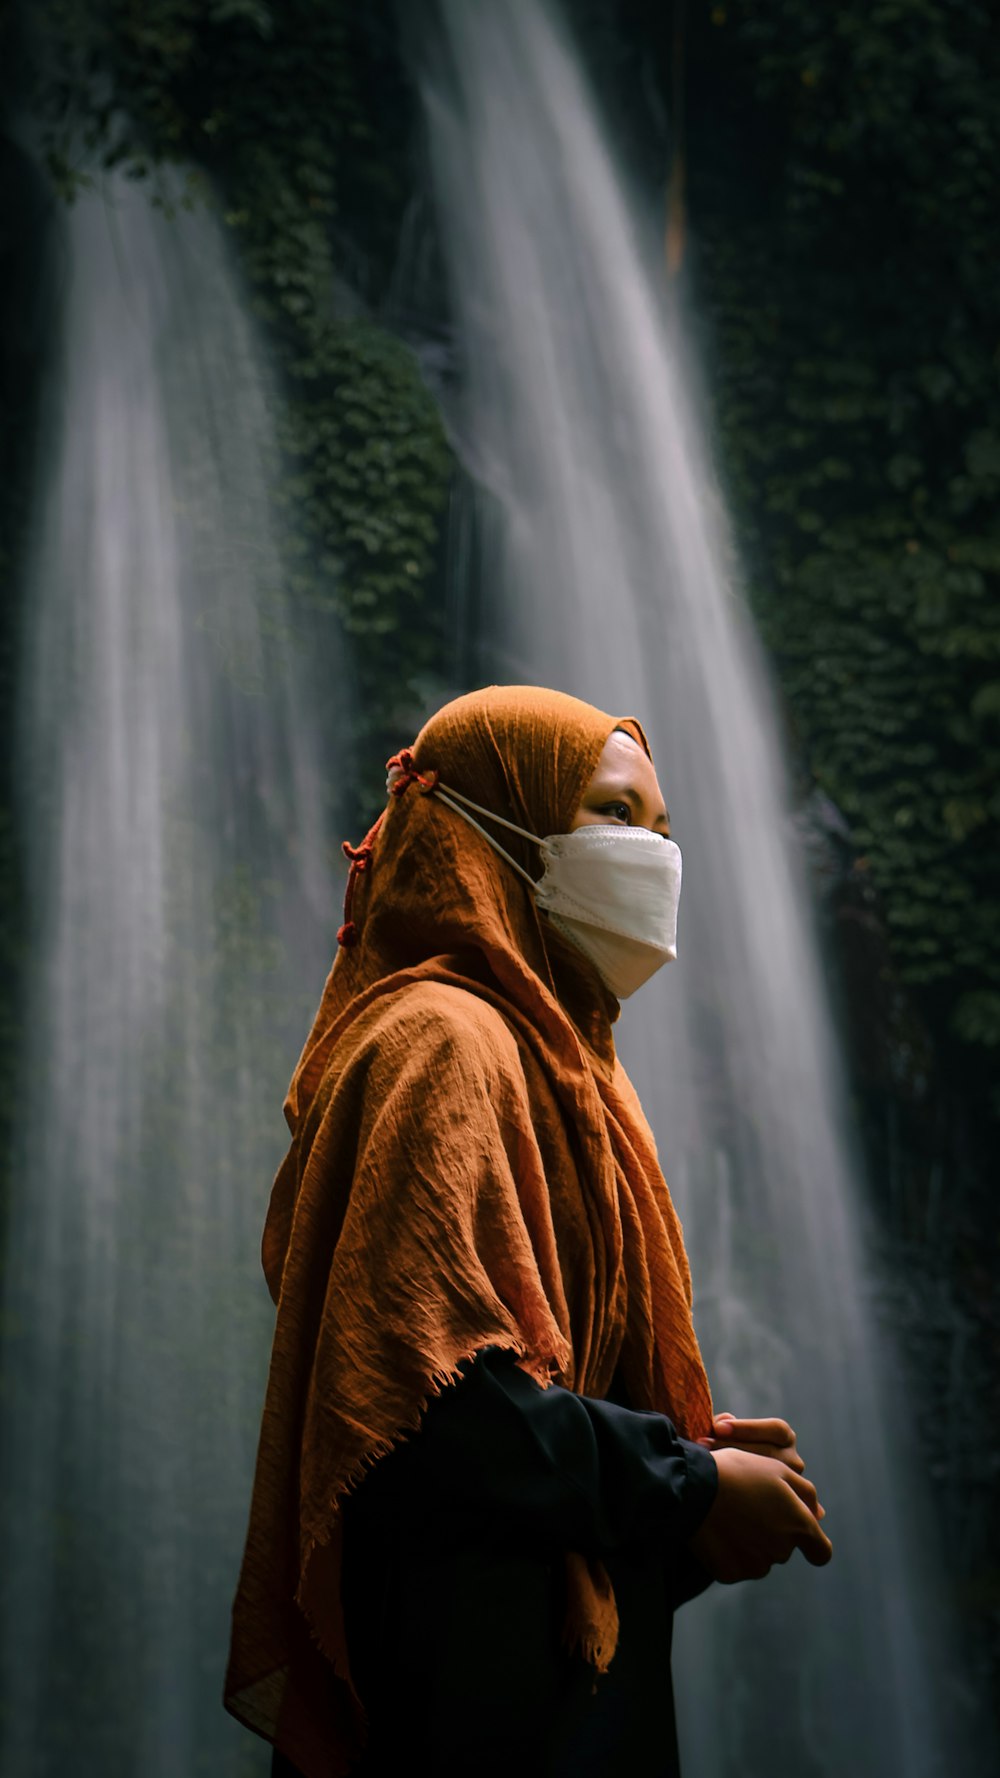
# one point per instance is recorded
(620, 810)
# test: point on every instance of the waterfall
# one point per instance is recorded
(181, 916)
(608, 571)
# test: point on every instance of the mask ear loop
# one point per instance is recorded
(447, 796)
(402, 772)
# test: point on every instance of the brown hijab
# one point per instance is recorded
(469, 1166)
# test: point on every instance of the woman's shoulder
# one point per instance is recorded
(439, 1023)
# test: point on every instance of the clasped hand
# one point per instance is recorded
(765, 1507)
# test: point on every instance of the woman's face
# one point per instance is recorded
(624, 788)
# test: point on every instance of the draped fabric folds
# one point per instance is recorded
(469, 1166)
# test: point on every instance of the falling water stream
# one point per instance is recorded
(180, 904)
(606, 569)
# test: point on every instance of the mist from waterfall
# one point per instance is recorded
(182, 911)
(606, 569)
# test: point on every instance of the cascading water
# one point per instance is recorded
(609, 574)
(181, 903)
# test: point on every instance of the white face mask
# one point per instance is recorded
(612, 890)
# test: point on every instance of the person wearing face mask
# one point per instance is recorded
(489, 1469)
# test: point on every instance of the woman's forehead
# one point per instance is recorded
(622, 749)
(623, 763)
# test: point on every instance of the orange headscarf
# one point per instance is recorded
(469, 1166)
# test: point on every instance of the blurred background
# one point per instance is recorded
(355, 355)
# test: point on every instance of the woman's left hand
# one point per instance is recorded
(766, 1438)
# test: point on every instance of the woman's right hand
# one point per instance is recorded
(762, 1512)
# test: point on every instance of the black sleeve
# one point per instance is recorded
(497, 1454)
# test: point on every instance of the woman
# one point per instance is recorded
(488, 1467)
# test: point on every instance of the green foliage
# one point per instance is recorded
(850, 275)
(373, 466)
(273, 110)
(977, 1018)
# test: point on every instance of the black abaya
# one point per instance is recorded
(453, 1583)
